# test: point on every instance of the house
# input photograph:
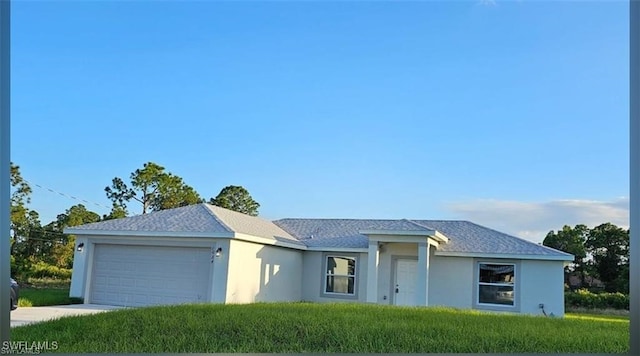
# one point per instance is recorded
(576, 281)
(204, 253)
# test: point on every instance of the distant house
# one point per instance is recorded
(576, 281)
(204, 253)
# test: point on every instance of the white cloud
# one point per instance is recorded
(533, 220)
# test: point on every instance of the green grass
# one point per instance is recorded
(306, 327)
(597, 316)
(37, 297)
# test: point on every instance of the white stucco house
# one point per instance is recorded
(204, 253)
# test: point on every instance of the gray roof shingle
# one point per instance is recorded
(251, 225)
(468, 237)
(464, 237)
(193, 218)
(341, 232)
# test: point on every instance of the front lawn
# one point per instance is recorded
(596, 316)
(37, 297)
(307, 327)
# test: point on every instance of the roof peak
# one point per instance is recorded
(415, 221)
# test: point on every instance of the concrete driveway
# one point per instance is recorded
(30, 315)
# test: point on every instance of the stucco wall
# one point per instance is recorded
(542, 283)
(259, 273)
(313, 274)
(385, 278)
(79, 271)
(219, 274)
(451, 281)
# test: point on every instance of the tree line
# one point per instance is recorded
(601, 256)
(152, 187)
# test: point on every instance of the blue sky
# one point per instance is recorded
(512, 114)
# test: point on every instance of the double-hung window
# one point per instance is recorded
(340, 275)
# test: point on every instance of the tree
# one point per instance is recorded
(25, 224)
(76, 215)
(609, 246)
(571, 241)
(28, 243)
(120, 195)
(154, 188)
(62, 252)
(20, 191)
(236, 198)
(172, 193)
(117, 212)
(20, 188)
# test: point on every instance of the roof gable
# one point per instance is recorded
(250, 225)
(188, 219)
(199, 220)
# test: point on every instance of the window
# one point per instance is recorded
(340, 275)
(496, 284)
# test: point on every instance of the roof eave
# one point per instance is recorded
(337, 249)
(223, 235)
(270, 241)
(440, 237)
(398, 232)
(513, 256)
(434, 234)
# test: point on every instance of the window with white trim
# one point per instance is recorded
(340, 275)
(496, 284)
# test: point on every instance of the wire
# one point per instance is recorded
(44, 232)
(42, 240)
(66, 195)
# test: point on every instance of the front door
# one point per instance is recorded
(406, 276)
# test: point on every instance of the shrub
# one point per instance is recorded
(42, 269)
(586, 299)
(617, 300)
(22, 303)
(47, 282)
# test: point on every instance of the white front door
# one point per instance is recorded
(404, 285)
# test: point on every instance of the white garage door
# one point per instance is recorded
(131, 275)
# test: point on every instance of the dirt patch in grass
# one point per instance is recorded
(616, 312)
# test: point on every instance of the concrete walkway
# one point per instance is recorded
(30, 315)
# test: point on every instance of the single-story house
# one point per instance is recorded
(204, 253)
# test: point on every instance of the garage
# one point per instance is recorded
(137, 275)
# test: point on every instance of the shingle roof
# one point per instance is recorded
(193, 218)
(251, 225)
(207, 220)
(468, 237)
(341, 232)
(464, 236)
